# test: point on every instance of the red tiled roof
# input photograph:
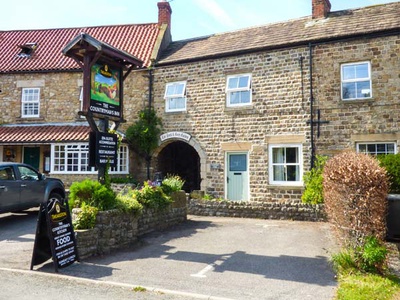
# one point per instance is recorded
(43, 134)
(137, 40)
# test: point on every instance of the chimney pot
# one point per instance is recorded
(164, 13)
(320, 8)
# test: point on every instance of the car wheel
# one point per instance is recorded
(54, 196)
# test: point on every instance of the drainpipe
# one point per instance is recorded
(311, 107)
(148, 155)
(150, 86)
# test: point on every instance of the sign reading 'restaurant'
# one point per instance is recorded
(175, 135)
(103, 149)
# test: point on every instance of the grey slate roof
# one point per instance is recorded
(338, 25)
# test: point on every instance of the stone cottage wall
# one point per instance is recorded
(284, 210)
(351, 121)
(278, 114)
(59, 96)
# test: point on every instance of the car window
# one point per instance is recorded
(27, 173)
(7, 173)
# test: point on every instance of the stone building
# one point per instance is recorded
(41, 94)
(246, 112)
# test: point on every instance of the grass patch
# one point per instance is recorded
(366, 286)
(139, 289)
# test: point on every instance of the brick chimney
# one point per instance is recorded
(164, 13)
(320, 8)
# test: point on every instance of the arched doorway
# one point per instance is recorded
(180, 158)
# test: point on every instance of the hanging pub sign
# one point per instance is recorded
(103, 149)
(55, 237)
(105, 91)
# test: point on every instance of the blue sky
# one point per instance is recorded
(190, 18)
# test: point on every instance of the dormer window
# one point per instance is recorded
(27, 49)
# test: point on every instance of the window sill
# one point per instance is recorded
(29, 119)
(176, 112)
(357, 101)
(241, 110)
(285, 187)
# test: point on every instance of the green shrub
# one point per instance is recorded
(81, 191)
(355, 191)
(152, 196)
(86, 219)
(344, 262)
(208, 197)
(103, 198)
(313, 181)
(391, 162)
(128, 179)
(172, 183)
(369, 257)
(92, 193)
(372, 256)
(127, 202)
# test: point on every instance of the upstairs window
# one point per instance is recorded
(175, 99)
(30, 102)
(238, 90)
(356, 81)
(376, 148)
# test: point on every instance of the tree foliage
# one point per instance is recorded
(143, 135)
(391, 162)
(313, 181)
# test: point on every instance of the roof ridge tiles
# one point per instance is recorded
(83, 27)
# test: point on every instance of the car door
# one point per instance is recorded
(10, 189)
(32, 187)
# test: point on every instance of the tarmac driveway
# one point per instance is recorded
(212, 258)
(228, 258)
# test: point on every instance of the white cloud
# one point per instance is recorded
(212, 8)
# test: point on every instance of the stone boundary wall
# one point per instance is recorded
(115, 230)
(287, 210)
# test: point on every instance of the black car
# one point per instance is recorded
(23, 187)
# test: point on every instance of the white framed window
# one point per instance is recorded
(286, 164)
(356, 81)
(74, 158)
(238, 90)
(122, 161)
(376, 148)
(175, 99)
(30, 101)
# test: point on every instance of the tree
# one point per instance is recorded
(142, 136)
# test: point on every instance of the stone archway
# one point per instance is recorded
(182, 158)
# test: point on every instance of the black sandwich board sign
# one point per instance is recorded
(55, 237)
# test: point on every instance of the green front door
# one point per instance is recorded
(237, 177)
(32, 156)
